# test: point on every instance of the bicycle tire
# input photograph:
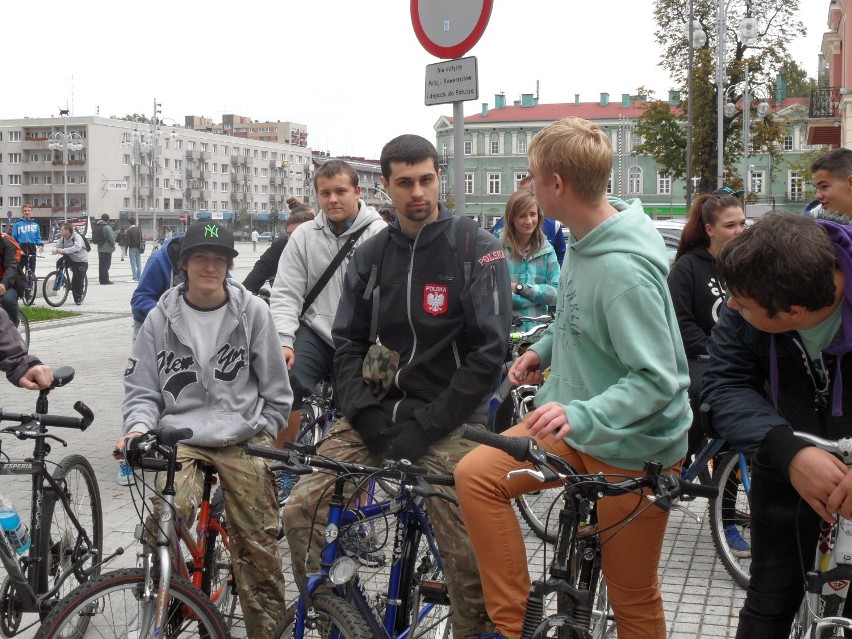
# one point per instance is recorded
(541, 512)
(85, 287)
(24, 328)
(30, 291)
(77, 480)
(112, 603)
(336, 617)
(218, 581)
(725, 478)
(54, 296)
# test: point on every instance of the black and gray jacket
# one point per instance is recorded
(449, 330)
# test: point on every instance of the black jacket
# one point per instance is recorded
(266, 266)
(451, 336)
(697, 296)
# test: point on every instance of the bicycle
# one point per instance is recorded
(66, 520)
(581, 608)
(155, 599)
(57, 285)
(24, 327)
(28, 272)
(823, 611)
(335, 602)
(731, 475)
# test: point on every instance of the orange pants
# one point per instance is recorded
(630, 558)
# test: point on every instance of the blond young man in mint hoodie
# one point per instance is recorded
(616, 395)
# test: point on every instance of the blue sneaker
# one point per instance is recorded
(125, 474)
(739, 546)
(284, 483)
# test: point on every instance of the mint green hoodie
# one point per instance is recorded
(618, 365)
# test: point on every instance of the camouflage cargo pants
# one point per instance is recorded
(310, 496)
(251, 507)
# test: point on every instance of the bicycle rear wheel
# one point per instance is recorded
(335, 618)
(55, 288)
(24, 327)
(114, 606)
(85, 287)
(731, 510)
(60, 543)
(30, 290)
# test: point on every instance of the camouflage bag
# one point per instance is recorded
(380, 367)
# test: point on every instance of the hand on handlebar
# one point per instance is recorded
(121, 444)
(823, 481)
(526, 370)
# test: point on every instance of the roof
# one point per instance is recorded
(586, 110)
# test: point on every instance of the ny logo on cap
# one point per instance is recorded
(211, 230)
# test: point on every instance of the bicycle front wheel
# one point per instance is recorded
(115, 606)
(55, 288)
(730, 517)
(30, 290)
(335, 618)
(85, 287)
(60, 543)
(541, 512)
(218, 580)
(24, 328)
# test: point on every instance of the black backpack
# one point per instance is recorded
(98, 234)
(86, 244)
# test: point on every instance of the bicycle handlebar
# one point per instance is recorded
(553, 468)
(60, 421)
(841, 447)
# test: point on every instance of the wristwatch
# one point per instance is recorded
(519, 288)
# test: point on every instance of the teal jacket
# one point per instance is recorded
(540, 275)
(618, 365)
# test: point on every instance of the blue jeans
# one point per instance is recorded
(135, 263)
(9, 303)
(314, 360)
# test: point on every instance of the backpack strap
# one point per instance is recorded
(332, 267)
(465, 243)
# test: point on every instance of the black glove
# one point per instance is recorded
(412, 442)
(376, 429)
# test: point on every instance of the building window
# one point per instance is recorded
(215, 205)
(443, 193)
(190, 146)
(14, 179)
(14, 158)
(468, 183)
(14, 136)
(14, 200)
(788, 142)
(468, 150)
(518, 178)
(127, 202)
(493, 184)
(522, 145)
(664, 184)
(178, 144)
(495, 147)
(634, 180)
(796, 187)
(757, 182)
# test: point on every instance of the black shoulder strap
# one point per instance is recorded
(332, 267)
(465, 242)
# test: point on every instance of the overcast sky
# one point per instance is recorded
(353, 72)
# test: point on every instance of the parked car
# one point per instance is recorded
(266, 236)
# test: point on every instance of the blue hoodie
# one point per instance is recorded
(159, 275)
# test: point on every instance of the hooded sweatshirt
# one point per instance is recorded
(618, 366)
(247, 392)
(743, 359)
(308, 253)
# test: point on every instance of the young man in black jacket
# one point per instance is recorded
(444, 307)
(778, 358)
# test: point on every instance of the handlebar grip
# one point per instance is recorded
(170, 436)
(63, 422)
(86, 412)
(267, 452)
(439, 480)
(689, 489)
(150, 463)
(517, 447)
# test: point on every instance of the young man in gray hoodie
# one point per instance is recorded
(305, 333)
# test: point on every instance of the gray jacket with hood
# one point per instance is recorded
(310, 250)
(248, 389)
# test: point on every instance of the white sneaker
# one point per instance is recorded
(125, 474)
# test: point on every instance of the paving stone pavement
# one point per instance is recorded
(700, 599)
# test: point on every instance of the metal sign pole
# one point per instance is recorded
(458, 156)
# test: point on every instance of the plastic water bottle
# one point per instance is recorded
(14, 529)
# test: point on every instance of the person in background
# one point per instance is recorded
(121, 238)
(232, 390)
(267, 264)
(552, 228)
(167, 233)
(105, 249)
(255, 236)
(11, 281)
(21, 368)
(135, 242)
(71, 247)
(27, 234)
(533, 268)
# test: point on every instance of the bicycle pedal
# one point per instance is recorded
(434, 592)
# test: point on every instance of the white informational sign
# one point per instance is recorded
(452, 81)
(116, 185)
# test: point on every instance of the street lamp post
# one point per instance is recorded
(696, 38)
(65, 142)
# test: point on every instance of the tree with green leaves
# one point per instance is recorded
(663, 128)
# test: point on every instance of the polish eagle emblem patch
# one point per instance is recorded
(435, 298)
